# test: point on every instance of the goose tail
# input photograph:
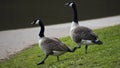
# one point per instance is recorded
(98, 42)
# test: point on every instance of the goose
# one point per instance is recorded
(51, 46)
(80, 34)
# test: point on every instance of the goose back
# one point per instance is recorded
(79, 33)
(50, 45)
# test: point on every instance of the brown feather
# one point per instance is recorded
(80, 32)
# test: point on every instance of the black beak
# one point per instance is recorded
(32, 23)
(66, 4)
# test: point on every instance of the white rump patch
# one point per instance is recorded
(57, 53)
(87, 42)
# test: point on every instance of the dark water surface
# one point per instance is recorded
(16, 14)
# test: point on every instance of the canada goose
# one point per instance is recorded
(51, 46)
(81, 34)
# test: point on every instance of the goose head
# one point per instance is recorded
(36, 21)
(41, 24)
(70, 4)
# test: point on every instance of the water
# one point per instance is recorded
(16, 14)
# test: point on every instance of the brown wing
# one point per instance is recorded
(84, 33)
(54, 44)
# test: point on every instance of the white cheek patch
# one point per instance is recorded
(70, 4)
(37, 22)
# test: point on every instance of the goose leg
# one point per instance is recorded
(42, 62)
(72, 50)
(79, 45)
(86, 47)
(57, 58)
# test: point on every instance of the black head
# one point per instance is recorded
(41, 24)
(71, 4)
(36, 21)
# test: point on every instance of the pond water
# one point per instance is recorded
(16, 14)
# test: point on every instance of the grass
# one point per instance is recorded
(99, 56)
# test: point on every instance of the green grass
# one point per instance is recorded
(99, 56)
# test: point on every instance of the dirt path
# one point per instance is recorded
(13, 41)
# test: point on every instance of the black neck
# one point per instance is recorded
(41, 34)
(75, 14)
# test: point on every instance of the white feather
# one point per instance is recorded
(86, 42)
(70, 4)
(40, 41)
(37, 22)
(57, 53)
(73, 25)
